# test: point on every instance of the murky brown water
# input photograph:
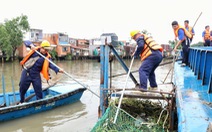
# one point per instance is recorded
(77, 117)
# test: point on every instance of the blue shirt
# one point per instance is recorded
(28, 43)
(140, 43)
(181, 34)
(37, 67)
(203, 34)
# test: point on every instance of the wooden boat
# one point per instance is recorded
(54, 96)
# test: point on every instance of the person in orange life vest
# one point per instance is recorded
(151, 55)
(184, 39)
(211, 38)
(206, 36)
(33, 64)
(189, 29)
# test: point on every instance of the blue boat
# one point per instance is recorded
(194, 91)
(54, 96)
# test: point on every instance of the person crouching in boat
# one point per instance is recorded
(151, 55)
(33, 64)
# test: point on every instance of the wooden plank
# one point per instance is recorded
(143, 96)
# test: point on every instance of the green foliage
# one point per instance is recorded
(68, 57)
(145, 32)
(199, 44)
(53, 53)
(5, 45)
(173, 43)
(13, 31)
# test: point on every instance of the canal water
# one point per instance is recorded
(77, 117)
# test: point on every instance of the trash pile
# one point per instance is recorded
(135, 115)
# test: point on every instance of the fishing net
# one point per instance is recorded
(127, 123)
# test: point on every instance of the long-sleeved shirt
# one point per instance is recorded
(37, 67)
(181, 34)
(140, 43)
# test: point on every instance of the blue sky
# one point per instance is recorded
(91, 18)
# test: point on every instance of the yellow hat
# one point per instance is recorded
(134, 32)
(45, 44)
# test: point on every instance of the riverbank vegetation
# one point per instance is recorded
(173, 43)
(11, 35)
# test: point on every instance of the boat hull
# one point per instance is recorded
(25, 109)
(193, 97)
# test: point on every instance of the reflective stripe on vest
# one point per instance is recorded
(188, 34)
(149, 45)
(45, 67)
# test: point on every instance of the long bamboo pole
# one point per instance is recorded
(197, 20)
(67, 74)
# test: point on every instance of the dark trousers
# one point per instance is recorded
(26, 80)
(207, 42)
(185, 53)
(185, 45)
(147, 69)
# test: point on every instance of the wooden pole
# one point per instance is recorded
(14, 95)
(3, 88)
(197, 20)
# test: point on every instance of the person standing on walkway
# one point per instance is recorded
(211, 38)
(33, 64)
(189, 29)
(151, 55)
(206, 36)
(184, 39)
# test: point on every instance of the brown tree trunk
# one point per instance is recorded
(13, 56)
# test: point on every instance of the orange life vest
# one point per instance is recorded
(190, 30)
(149, 45)
(210, 35)
(207, 35)
(187, 33)
(45, 67)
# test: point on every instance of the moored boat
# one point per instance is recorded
(54, 96)
(193, 91)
